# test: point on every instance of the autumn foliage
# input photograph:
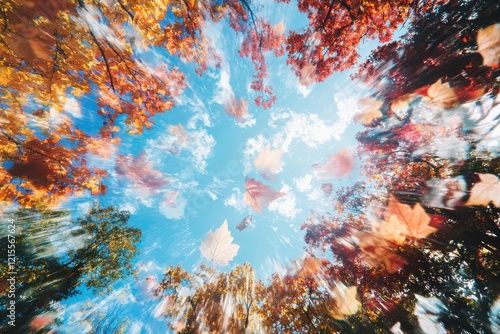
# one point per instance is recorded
(422, 230)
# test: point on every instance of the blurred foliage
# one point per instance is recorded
(55, 256)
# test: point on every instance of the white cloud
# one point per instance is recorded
(286, 205)
(201, 148)
(225, 96)
(72, 107)
(212, 195)
(315, 195)
(307, 128)
(150, 266)
(56, 118)
(303, 184)
(90, 17)
(246, 122)
(236, 200)
(198, 143)
(225, 92)
(128, 206)
(84, 207)
(201, 114)
(175, 211)
(136, 327)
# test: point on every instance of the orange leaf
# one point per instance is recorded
(485, 191)
(340, 165)
(488, 44)
(415, 220)
(259, 195)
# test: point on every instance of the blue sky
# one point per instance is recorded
(206, 164)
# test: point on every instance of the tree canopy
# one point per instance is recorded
(56, 256)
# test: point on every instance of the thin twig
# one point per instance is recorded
(105, 59)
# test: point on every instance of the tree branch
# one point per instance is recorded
(18, 144)
(105, 59)
(125, 9)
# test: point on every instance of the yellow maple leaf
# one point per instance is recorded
(415, 220)
(488, 44)
(485, 191)
(369, 110)
(442, 95)
(377, 251)
(392, 230)
(268, 162)
(345, 301)
(401, 104)
(308, 266)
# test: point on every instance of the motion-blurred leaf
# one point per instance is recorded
(217, 246)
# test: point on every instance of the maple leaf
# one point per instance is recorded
(340, 165)
(488, 44)
(141, 173)
(307, 75)
(238, 108)
(345, 301)
(259, 195)
(400, 105)
(369, 110)
(377, 251)
(415, 220)
(327, 189)
(268, 162)
(307, 266)
(392, 230)
(485, 191)
(148, 288)
(217, 246)
(170, 198)
(180, 134)
(442, 95)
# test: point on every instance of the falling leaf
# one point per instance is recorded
(442, 95)
(170, 198)
(279, 28)
(345, 301)
(247, 221)
(327, 189)
(369, 110)
(141, 173)
(415, 220)
(392, 230)
(148, 288)
(485, 191)
(180, 134)
(377, 251)
(307, 75)
(238, 108)
(307, 266)
(259, 195)
(268, 162)
(488, 44)
(340, 165)
(401, 105)
(217, 246)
